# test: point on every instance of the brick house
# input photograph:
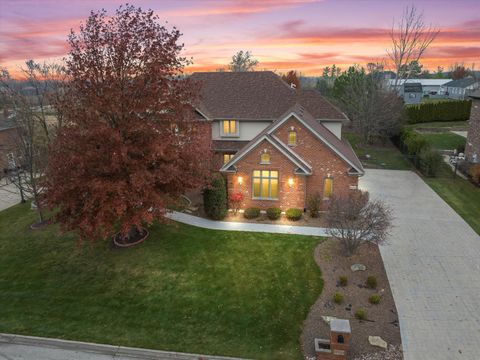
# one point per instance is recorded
(472, 148)
(8, 136)
(276, 144)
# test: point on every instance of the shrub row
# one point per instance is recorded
(457, 110)
(273, 213)
(424, 157)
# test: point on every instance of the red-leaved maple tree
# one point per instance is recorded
(130, 140)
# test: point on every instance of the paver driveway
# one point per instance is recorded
(432, 261)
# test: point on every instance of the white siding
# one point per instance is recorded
(247, 130)
(334, 126)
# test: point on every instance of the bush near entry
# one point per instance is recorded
(294, 214)
(215, 198)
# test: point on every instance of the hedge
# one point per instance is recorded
(457, 110)
(215, 198)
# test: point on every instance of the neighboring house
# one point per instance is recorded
(8, 134)
(275, 144)
(472, 148)
(459, 89)
(430, 87)
(412, 93)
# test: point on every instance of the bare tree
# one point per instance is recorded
(410, 38)
(35, 122)
(376, 112)
(242, 61)
(355, 218)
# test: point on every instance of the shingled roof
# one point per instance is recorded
(256, 95)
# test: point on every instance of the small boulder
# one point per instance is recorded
(327, 319)
(358, 267)
(377, 341)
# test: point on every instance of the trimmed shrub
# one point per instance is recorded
(430, 161)
(294, 214)
(274, 213)
(361, 314)
(343, 280)
(374, 299)
(314, 202)
(414, 142)
(251, 213)
(371, 282)
(338, 298)
(215, 198)
(449, 110)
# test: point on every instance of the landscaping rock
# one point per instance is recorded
(329, 305)
(327, 319)
(348, 307)
(377, 341)
(358, 267)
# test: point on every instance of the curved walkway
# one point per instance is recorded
(240, 226)
(432, 263)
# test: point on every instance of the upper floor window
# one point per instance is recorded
(229, 128)
(227, 157)
(265, 157)
(292, 138)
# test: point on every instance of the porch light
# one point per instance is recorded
(290, 182)
(240, 180)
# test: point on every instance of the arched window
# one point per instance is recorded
(265, 158)
(340, 339)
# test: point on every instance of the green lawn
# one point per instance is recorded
(445, 140)
(185, 289)
(460, 194)
(381, 156)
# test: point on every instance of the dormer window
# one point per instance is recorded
(292, 137)
(229, 128)
(265, 157)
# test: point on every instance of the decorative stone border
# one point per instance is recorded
(130, 244)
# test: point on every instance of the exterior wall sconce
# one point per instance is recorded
(240, 180)
(290, 182)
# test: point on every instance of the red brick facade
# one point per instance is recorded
(324, 161)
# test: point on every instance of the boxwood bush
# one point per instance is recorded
(215, 198)
(274, 213)
(251, 213)
(294, 214)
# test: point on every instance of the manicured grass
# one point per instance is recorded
(460, 194)
(384, 156)
(440, 124)
(184, 289)
(445, 140)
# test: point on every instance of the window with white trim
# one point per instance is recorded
(227, 157)
(229, 128)
(328, 188)
(265, 157)
(292, 138)
(265, 184)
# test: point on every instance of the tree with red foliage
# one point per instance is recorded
(130, 140)
(291, 78)
(459, 72)
(235, 200)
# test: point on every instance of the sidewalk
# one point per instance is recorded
(239, 226)
(9, 196)
(16, 347)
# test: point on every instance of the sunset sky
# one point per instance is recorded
(305, 35)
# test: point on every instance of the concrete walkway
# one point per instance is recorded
(9, 196)
(461, 133)
(18, 347)
(432, 261)
(240, 226)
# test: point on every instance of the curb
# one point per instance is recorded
(103, 349)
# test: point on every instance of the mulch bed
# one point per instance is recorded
(306, 220)
(382, 318)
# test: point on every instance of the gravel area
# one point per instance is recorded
(382, 319)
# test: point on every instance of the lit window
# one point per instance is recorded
(227, 157)
(229, 127)
(328, 188)
(265, 158)
(292, 138)
(265, 184)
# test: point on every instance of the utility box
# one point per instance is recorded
(335, 348)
